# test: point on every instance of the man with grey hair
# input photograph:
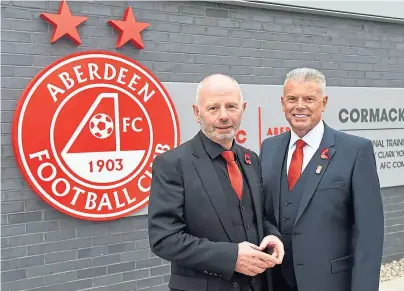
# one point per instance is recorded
(322, 192)
(206, 202)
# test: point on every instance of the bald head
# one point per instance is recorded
(217, 83)
(219, 108)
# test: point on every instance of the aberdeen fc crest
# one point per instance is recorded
(86, 132)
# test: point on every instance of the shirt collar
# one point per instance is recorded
(312, 138)
(214, 149)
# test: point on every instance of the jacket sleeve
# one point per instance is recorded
(167, 227)
(369, 222)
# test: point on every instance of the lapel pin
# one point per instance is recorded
(247, 158)
(324, 154)
(318, 170)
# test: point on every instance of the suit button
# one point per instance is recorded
(253, 280)
(242, 207)
(247, 226)
(206, 272)
(235, 285)
(285, 219)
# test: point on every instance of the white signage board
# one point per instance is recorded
(373, 113)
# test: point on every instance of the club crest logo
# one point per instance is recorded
(86, 131)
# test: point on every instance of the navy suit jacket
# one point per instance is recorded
(338, 232)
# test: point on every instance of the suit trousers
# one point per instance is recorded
(278, 281)
(247, 287)
(250, 289)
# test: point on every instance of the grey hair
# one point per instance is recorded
(307, 74)
(200, 86)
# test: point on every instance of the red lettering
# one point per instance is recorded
(241, 136)
(277, 130)
(270, 131)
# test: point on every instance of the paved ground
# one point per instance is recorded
(394, 285)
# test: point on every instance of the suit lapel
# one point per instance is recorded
(250, 175)
(277, 166)
(314, 177)
(212, 185)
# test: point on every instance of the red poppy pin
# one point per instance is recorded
(324, 154)
(247, 158)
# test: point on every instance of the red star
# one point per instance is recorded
(129, 29)
(64, 23)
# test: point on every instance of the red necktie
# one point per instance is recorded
(236, 179)
(295, 168)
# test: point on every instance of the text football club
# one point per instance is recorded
(86, 131)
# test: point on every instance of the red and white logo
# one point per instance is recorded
(86, 132)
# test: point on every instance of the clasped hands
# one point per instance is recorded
(253, 260)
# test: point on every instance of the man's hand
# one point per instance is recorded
(251, 261)
(271, 241)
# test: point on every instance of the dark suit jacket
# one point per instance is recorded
(338, 232)
(188, 221)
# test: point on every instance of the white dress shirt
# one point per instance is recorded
(312, 139)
